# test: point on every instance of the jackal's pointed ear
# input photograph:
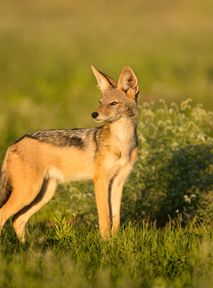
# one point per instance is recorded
(128, 81)
(104, 81)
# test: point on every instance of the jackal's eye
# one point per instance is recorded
(113, 103)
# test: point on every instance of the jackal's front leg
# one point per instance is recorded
(117, 189)
(116, 194)
(101, 183)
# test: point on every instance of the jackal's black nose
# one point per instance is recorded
(94, 115)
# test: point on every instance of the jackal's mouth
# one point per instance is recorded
(99, 120)
(108, 119)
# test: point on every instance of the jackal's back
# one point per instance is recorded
(66, 154)
(77, 137)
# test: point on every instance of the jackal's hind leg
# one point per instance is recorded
(22, 217)
(21, 196)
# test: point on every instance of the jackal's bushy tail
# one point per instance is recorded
(4, 188)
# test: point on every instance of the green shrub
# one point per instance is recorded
(174, 171)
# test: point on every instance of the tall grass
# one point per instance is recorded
(140, 256)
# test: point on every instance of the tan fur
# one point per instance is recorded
(35, 166)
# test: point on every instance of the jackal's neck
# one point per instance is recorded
(124, 129)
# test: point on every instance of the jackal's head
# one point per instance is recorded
(118, 99)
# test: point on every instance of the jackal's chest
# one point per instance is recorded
(123, 149)
(115, 159)
(122, 162)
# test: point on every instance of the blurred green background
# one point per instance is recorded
(46, 48)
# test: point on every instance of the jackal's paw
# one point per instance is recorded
(20, 231)
(105, 233)
(115, 230)
(115, 225)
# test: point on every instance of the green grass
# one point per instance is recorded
(140, 256)
(46, 48)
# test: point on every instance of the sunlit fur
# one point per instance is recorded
(37, 162)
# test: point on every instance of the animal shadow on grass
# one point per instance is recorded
(189, 185)
(182, 188)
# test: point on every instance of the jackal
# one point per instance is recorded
(37, 162)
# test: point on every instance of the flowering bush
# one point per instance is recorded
(174, 171)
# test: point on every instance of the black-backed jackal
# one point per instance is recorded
(37, 162)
